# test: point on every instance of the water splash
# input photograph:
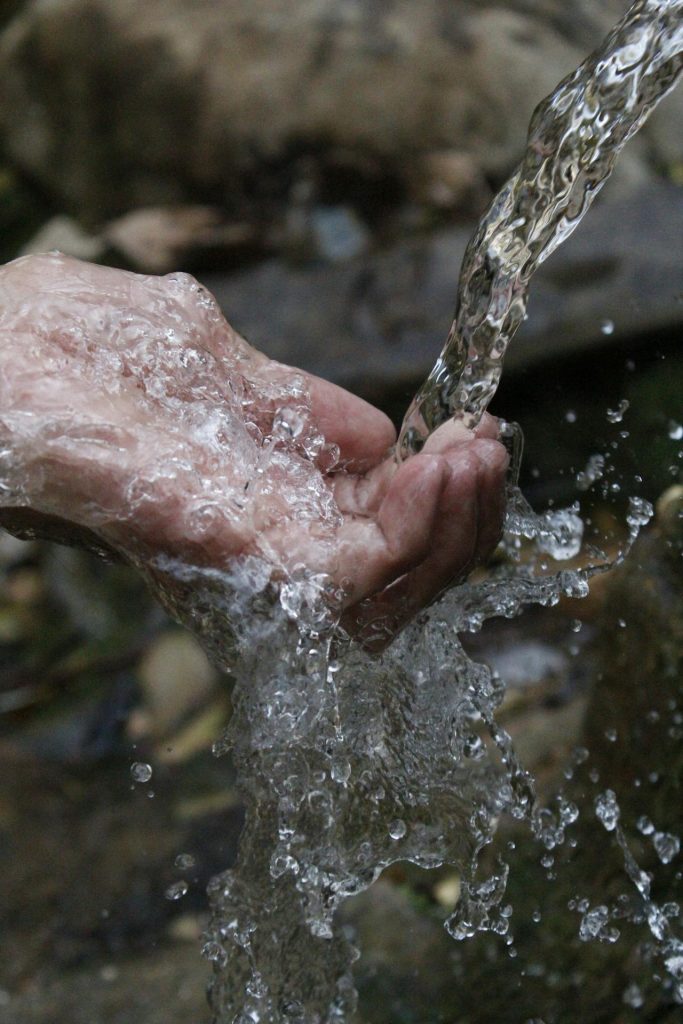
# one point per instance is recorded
(667, 945)
(350, 762)
(140, 771)
(575, 137)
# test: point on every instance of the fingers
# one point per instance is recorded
(363, 493)
(363, 433)
(492, 499)
(374, 551)
(465, 529)
(454, 432)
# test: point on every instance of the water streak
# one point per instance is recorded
(350, 763)
(575, 137)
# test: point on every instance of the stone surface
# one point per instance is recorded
(110, 104)
(376, 324)
(64, 234)
(85, 860)
(176, 678)
(164, 988)
(157, 240)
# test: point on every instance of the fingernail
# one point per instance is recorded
(493, 454)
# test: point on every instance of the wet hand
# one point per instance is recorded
(130, 410)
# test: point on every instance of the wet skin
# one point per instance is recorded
(111, 385)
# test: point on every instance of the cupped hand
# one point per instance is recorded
(131, 410)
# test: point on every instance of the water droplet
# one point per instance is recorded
(474, 748)
(640, 512)
(594, 925)
(185, 861)
(177, 890)
(140, 771)
(617, 415)
(560, 533)
(340, 771)
(674, 965)
(607, 809)
(645, 826)
(214, 952)
(675, 430)
(398, 829)
(611, 735)
(632, 996)
(607, 327)
(292, 1010)
(666, 845)
(570, 416)
(569, 812)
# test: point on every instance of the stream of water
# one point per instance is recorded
(575, 137)
(349, 762)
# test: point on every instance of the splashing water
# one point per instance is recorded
(575, 137)
(350, 762)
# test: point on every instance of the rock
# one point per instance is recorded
(389, 312)
(112, 105)
(664, 130)
(637, 696)
(176, 678)
(65, 235)
(449, 179)
(158, 240)
(165, 986)
(670, 516)
(13, 550)
(405, 972)
(338, 234)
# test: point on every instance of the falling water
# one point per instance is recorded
(349, 762)
(575, 137)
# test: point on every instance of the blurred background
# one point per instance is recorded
(320, 165)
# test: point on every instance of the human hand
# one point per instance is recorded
(130, 409)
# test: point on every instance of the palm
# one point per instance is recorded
(131, 409)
